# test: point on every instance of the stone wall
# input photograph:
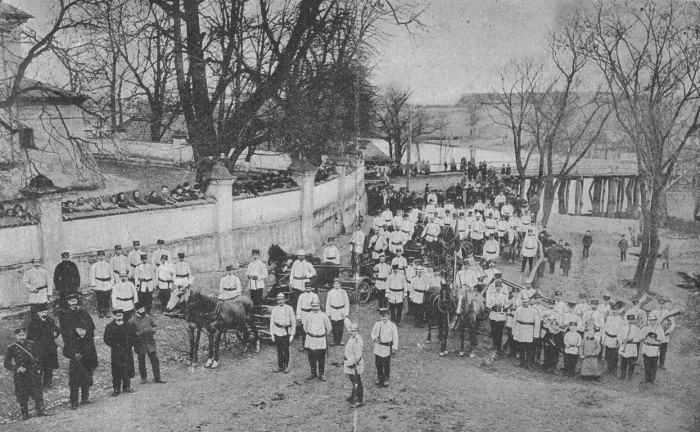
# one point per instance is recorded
(212, 233)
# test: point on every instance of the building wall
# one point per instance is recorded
(258, 223)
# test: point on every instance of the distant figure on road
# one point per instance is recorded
(666, 257)
(623, 244)
(587, 242)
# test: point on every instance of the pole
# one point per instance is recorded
(410, 143)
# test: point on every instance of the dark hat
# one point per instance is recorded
(256, 252)
(662, 300)
(180, 254)
(548, 301)
(160, 242)
(631, 316)
(571, 304)
(594, 302)
(20, 330)
(652, 334)
(336, 279)
(383, 311)
(144, 256)
(117, 311)
(65, 254)
(42, 307)
(118, 247)
(583, 295)
(229, 267)
(136, 243)
(185, 184)
(606, 297)
(164, 256)
(100, 253)
(516, 288)
(618, 305)
(558, 293)
(139, 305)
(394, 266)
(566, 244)
(72, 297)
(80, 323)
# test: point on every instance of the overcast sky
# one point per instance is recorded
(460, 50)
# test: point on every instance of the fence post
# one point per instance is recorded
(305, 178)
(51, 238)
(221, 188)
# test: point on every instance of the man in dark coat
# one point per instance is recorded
(76, 314)
(553, 253)
(145, 329)
(587, 242)
(66, 277)
(83, 361)
(120, 337)
(22, 359)
(43, 331)
(565, 256)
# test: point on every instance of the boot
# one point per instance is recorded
(631, 372)
(24, 409)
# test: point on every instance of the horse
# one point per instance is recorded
(440, 307)
(469, 318)
(202, 312)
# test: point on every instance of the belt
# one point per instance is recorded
(306, 310)
(145, 280)
(390, 343)
(298, 278)
(419, 291)
(463, 230)
(330, 258)
(230, 289)
(183, 276)
(610, 336)
(316, 336)
(526, 323)
(395, 290)
(44, 287)
(133, 265)
(338, 307)
(396, 243)
(116, 271)
(404, 231)
(381, 279)
(284, 327)
(652, 344)
(531, 247)
(103, 279)
(166, 281)
(125, 299)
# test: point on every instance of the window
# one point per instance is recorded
(26, 138)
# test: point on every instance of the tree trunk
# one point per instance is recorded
(612, 197)
(549, 193)
(563, 198)
(650, 238)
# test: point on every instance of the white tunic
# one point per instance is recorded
(229, 287)
(282, 321)
(304, 304)
(358, 241)
(257, 269)
(144, 276)
(37, 279)
(385, 336)
(526, 324)
(396, 288)
(124, 296)
(337, 304)
(317, 326)
(331, 254)
(302, 272)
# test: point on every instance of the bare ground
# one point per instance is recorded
(427, 393)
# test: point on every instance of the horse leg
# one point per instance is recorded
(217, 342)
(430, 339)
(210, 335)
(256, 340)
(196, 344)
(461, 337)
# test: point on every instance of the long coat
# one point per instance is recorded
(44, 334)
(28, 383)
(71, 320)
(565, 256)
(144, 327)
(66, 279)
(80, 370)
(589, 350)
(121, 339)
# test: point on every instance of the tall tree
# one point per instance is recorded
(648, 53)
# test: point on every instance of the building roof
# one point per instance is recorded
(32, 91)
(372, 153)
(12, 12)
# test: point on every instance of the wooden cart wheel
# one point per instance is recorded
(364, 292)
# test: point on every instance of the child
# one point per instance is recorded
(590, 348)
(83, 362)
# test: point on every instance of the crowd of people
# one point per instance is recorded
(252, 184)
(14, 214)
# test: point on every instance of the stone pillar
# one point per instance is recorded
(578, 196)
(612, 197)
(221, 188)
(305, 180)
(596, 196)
(342, 170)
(51, 240)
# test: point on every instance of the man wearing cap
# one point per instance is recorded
(462, 226)
(101, 283)
(497, 302)
(354, 366)
(526, 328)
(256, 274)
(628, 336)
(651, 347)
(407, 228)
(552, 253)
(582, 307)
(478, 231)
(492, 249)
(529, 250)
(572, 342)
(385, 336)
(144, 275)
(431, 233)
(587, 242)
(230, 285)
(73, 315)
(283, 327)
(82, 357)
(381, 272)
(565, 257)
(337, 309)
(145, 343)
(668, 323)
(22, 359)
(302, 271)
(120, 337)
(640, 315)
(379, 242)
(419, 286)
(38, 284)
(514, 302)
(134, 259)
(570, 315)
(611, 338)
(118, 264)
(303, 308)
(559, 303)
(331, 254)
(43, 331)
(182, 267)
(396, 291)
(317, 326)
(551, 334)
(159, 252)
(623, 245)
(66, 278)
(165, 274)
(400, 261)
(357, 245)
(395, 240)
(604, 306)
(124, 296)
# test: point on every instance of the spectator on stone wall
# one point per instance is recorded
(137, 199)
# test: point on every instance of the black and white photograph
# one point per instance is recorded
(350, 215)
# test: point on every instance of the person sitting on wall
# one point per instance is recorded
(137, 199)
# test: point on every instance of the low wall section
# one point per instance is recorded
(196, 229)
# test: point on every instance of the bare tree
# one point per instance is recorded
(648, 52)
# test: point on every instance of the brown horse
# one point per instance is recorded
(439, 308)
(203, 312)
(473, 309)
